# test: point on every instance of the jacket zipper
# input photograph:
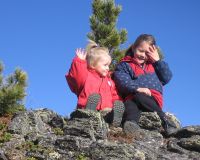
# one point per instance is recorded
(100, 92)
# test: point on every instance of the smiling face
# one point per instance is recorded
(102, 65)
(140, 52)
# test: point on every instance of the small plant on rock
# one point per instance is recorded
(58, 131)
(5, 137)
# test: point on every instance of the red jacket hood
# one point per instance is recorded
(127, 59)
(131, 59)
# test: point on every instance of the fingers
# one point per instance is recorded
(81, 53)
(153, 53)
(148, 93)
(80, 50)
(152, 49)
(144, 91)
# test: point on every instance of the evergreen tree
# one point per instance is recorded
(12, 91)
(103, 27)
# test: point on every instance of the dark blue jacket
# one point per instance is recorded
(128, 79)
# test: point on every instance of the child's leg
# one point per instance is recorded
(93, 101)
(148, 103)
(132, 112)
(115, 115)
(131, 117)
(118, 111)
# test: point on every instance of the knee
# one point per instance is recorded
(130, 106)
(140, 97)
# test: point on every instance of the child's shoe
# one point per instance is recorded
(93, 101)
(131, 127)
(118, 111)
(168, 126)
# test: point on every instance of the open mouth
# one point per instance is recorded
(141, 58)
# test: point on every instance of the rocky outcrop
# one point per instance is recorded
(43, 134)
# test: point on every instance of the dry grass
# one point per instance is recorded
(4, 122)
(117, 134)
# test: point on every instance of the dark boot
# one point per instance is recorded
(168, 126)
(118, 111)
(131, 127)
(93, 101)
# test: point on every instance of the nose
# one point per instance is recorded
(143, 54)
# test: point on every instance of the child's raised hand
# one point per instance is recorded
(153, 54)
(144, 91)
(81, 53)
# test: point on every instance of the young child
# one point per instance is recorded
(89, 78)
(140, 77)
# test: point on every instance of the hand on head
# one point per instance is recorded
(81, 53)
(153, 54)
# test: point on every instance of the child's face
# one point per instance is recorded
(140, 52)
(102, 66)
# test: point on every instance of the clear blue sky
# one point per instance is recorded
(41, 36)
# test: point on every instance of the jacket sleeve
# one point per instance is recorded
(163, 72)
(77, 75)
(124, 79)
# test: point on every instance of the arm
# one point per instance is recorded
(161, 67)
(124, 79)
(163, 72)
(78, 72)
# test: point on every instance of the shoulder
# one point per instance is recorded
(122, 65)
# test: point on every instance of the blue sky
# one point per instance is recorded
(40, 37)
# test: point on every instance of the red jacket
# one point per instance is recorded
(84, 81)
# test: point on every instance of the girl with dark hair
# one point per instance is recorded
(140, 77)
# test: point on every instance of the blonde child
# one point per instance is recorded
(89, 78)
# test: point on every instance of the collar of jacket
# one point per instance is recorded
(131, 59)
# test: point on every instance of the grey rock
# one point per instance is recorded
(2, 155)
(172, 146)
(73, 143)
(187, 132)
(31, 121)
(57, 122)
(173, 119)
(114, 151)
(150, 121)
(150, 143)
(192, 143)
(85, 135)
(88, 124)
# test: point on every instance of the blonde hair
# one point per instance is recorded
(95, 53)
